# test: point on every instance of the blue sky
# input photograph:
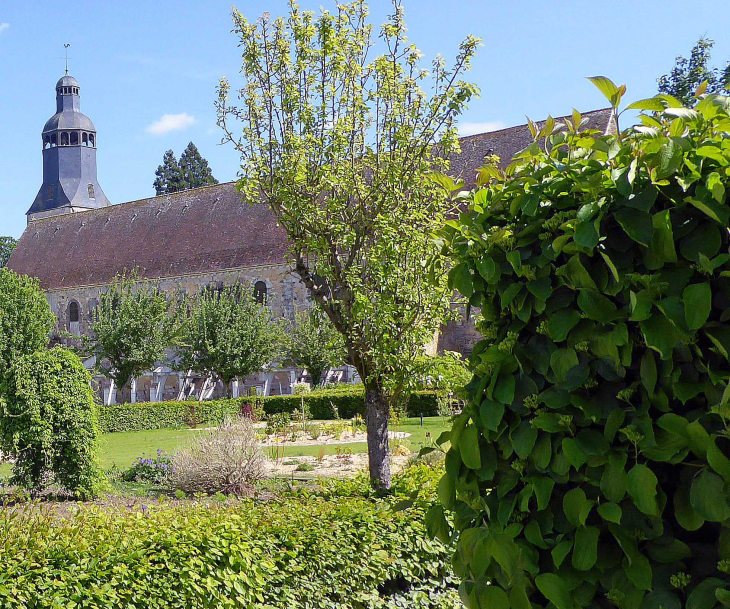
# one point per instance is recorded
(140, 61)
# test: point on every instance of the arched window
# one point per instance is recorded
(64, 139)
(91, 191)
(85, 139)
(91, 139)
(46, 142)
(74, 138)
(259, 291)
(54, 141)
(73, 312)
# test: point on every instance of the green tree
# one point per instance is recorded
(49, 423)
(688, 74)
(339, 146)
(194, 169)
(169, 176)
(26, 319)
(591, 465)
(7, 245)
(228, 335)
(133, 326)
(315, 344)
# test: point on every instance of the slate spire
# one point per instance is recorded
(69, 158)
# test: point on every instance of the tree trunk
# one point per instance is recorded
(377, 412)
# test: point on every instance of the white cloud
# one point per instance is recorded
(3, 27)
(171, 122)
(474, 128)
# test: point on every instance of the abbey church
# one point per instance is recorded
(77, 242)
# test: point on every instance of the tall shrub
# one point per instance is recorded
(49, 423)
(25, 317)
(590, 468)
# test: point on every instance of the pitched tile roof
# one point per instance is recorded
(203, 230)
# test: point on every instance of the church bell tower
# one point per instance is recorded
(69, 159)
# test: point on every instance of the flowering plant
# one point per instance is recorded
(153, 469)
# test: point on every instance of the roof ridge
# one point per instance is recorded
(513, 127)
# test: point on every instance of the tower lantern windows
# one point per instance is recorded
(74, 138)
(64, 139)
(46, 142)
(85, 139)
(91, 140)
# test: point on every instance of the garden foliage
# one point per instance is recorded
(590, 467)
(49, 423)
(25, 317)
(246, 554)
(325, 404)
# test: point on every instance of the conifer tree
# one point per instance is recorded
(194, 169)
(169, 177)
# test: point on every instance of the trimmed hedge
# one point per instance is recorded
(348, 401)
(249, 554)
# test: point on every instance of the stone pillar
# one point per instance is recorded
(234, 389)
(133, 391)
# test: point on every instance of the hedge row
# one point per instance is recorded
(325, 404)
(249, 554)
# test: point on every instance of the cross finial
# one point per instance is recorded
(65, 46)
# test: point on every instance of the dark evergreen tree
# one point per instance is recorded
(169, 177)
(194, 169)
(688, 74)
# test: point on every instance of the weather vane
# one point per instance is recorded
(65, 46)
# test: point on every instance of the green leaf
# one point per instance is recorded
(488, 269)
(436, 524)
(540, 288)
(697, 299)
(606, 86)
(637, 224)
(709, 498)
(717, 211)
(613, 480)
(578, 274)
(648, 372)
(469, 447)
(687, 517)
(586, 235)
(662, 241)
(670, 159)
(611, 512)
(560, 551)
(576, 506)
(661, 335)
(714, 153)
(491, 413)
(705, 239)
(493, 597)
(596, 306)
(523, 440)
(573, 452)
(703, 596)
(504, 390)
(718, 461)
(585, 549)
(460, 278)
(652, 104)
(561, 323)
(543, 490)
(447, 491)
(554, 589)
(561, 361)
(641, 484)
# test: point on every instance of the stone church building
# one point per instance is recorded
(76, 242)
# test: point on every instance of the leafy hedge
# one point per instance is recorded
(590, 468)
(249, 554)
(160, 415)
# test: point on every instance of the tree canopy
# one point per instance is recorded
(688, 74)
(7, 245)
(192, 171)
(229, 334)
(314, 344)
(26, 319)
(133, 325)
(339, 144)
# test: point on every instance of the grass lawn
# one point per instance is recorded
(121, 449)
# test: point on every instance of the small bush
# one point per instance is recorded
(225, 459)
(150, 469)
(301, 388)
(49, 423)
